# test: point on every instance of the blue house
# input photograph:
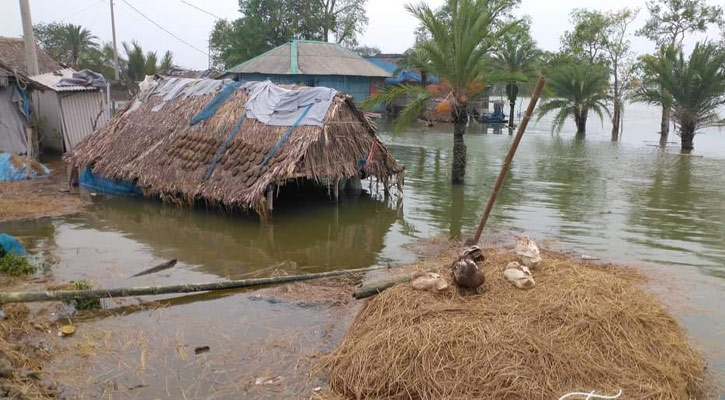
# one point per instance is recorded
(313, 63)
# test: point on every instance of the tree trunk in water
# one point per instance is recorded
(459, 147)
(580, 119)
(511, 113)
(616, 120)
(665, 122)
(688, 136)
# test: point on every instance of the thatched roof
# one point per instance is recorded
(12, 55)
(308, 57)
(164, 155)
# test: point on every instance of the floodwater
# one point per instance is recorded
(629, 201)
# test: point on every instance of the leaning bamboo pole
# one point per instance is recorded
(509, 157)
(61, 295)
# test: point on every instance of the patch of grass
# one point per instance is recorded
(15, 265)
(83, 304)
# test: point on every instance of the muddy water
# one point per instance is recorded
(628, 201)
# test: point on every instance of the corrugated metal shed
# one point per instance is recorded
(307, 57)
(70, 112)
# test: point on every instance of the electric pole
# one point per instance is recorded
(115, 49)
(31, 59)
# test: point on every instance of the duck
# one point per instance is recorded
(528, 252)
(429, 281)
(466, 273)
(473, 252)
(519, 275)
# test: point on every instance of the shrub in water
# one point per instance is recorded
(84, 304)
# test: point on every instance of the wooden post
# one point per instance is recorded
(337, 191)
(509, 157)
(270, 199)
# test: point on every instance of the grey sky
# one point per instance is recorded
(390, 28)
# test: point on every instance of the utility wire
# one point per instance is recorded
(200, 9)
(165, 30)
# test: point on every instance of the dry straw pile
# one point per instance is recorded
(581, 328)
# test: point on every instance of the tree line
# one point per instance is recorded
(77, 47)
(267, 24)
(473, 44)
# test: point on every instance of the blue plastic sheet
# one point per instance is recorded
(10, 172)
(215, 104)
(8, 244)
(99, 184)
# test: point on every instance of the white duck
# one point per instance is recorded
(432, 282)
(519, 275)
(528, 252)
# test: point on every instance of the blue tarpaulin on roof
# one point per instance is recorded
(404, 76)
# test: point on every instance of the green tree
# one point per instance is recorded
(167, 62)
(365, 51)
(670, 21)
(269, 23)
(577, 88)
(604, 36)
(457, 51)
(66, 43)
(694, 88)
(515, 59)
(150, 62)
(136, 61)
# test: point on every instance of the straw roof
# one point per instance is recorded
(12, 55)
(166, 157)
(308, 57)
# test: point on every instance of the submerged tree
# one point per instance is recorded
(460, 40)
(577, 88)
(514, 60)
(694, 88)
(604, 37)
(670, 21)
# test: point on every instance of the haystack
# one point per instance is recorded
(152, 144)
(582, 328)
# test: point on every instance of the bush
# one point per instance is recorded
(15, 265)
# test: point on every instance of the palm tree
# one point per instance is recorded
(150, 67)
(136, 64)
(167, 62)
(456, 52)
(514, 60)
(694, 87)
(577, 87)
(78, 40)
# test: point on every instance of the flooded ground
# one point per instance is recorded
(628, 201)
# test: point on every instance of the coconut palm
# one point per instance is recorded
(78, 40)
(694, 87)
(514, 61)
(577, 87)
(167, 62)
(455, 52)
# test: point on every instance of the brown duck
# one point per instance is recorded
(466, 273)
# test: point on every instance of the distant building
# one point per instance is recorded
(313, 63)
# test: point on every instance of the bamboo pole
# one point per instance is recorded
(367, 289)
(61, 295)
(509, 157)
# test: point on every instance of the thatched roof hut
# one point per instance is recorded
(230, 159)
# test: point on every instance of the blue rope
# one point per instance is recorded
(215, 104)
(285, 136)
(223, 147)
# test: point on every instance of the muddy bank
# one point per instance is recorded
(40, 197)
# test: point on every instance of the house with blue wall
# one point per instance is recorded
(313, 63)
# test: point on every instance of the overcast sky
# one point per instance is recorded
(390, 28)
